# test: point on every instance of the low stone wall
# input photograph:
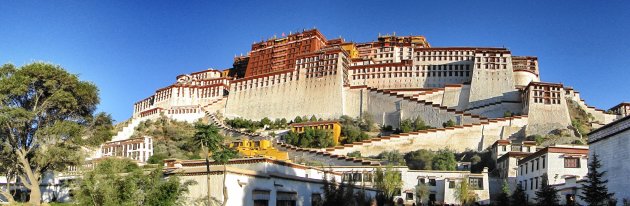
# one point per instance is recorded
(460, 138)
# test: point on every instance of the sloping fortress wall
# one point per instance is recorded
(460, 138)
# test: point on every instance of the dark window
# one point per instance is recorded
(409, 196)
(432, 182)
(476, 183)
(316, 199)
(543, 162)
(451, 184)
(286, 199)
(571, 163)
(261, 197)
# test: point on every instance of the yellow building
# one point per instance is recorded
(327, 125)
(351, 49)
(225, 73)
(258, 148)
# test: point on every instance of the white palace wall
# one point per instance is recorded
(321, 97)
(489, 85)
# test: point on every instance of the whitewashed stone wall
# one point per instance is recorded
(321, 97)
(614, 153)
(497, 110)
(390, 109)
(474, 137)
(490, 85)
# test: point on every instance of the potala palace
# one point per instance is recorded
(392, 79)
(496, 100)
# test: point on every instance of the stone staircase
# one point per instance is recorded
(128, 130)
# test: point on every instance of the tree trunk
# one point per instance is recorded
(31, 181)
(8, 195)
(208, 176)
(225, 193)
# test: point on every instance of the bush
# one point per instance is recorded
(354, 154)
(311, 138)
(449, 123)
(392, 157)
(507, 114)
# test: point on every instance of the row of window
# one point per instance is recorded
(262, 197)
(316, 58)
(410, 74)
(450, 67)
(445, 58)
(533, 165)
(533, 183)
(143, 104)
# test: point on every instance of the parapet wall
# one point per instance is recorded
(460, 138)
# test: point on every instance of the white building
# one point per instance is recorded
(441, 184)
(557, 162)
(255, 181)
(612, 144)
(507, 155)
(569, 191)
(139, 149)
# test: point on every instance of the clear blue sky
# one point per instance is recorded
(131, 48)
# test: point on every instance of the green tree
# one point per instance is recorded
(389, 181)
(594, 190)
(122, 182)
(313, 119)
(504, 197)
(464, 193)
(208, 138)
(547, 194)
(297, 119)
(46, 117)
(518, 198)
(444, 160)
(420, 159)
(265, 122)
